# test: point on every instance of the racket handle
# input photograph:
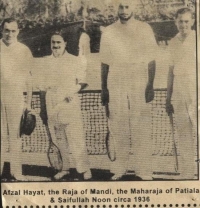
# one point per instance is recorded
(174, 142)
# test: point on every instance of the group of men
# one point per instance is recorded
(62, 101)
(127, 53)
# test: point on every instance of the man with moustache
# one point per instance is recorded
(182, 89)
(64, 107)
(127, 51)
(15, 79)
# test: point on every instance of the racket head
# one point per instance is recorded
(54, 157)
(110, 146)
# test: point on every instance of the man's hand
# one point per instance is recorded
(104, 96)
(169, 108)
(68, 99)
(149, 93)
(83, 86)
(104, 91)
(29, 109)
(32, 111)
(27, 106)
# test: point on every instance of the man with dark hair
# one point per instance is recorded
(11, 37)
(15, 79)
(184, 11)
(64, 107)
(58, 45)
(127, 51)
(182, 89)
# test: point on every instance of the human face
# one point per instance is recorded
(57, 45)
(124, 11)
(10, 33)
(184, 23)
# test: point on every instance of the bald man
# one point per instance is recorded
(127, 51)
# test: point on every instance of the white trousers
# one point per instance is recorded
(186, 126)
(130, 116)
(11, 112)
(69, 117)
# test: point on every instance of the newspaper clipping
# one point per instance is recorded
(99, 103)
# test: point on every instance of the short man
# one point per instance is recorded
(182, 89)
(127, 50)
(64, 107)
(15, 79)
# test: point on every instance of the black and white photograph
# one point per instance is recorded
(99, 90)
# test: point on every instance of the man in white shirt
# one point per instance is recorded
(15, 79)
(64, 106)
(182, 89)
(127, 51)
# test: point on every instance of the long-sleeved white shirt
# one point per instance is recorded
(133, 42)
(15, 61)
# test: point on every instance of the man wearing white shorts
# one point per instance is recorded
(127, 50)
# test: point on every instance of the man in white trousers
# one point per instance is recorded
(127, 51)
(182, 90)
(15, 79)
(64, 106)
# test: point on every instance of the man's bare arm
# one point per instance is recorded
(29, 85)
(104, 88)
(149, 93)
(170, 81)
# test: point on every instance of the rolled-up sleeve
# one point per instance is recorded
(80, 71)
(105, 52)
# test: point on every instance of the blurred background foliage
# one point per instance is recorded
(41, 13)
(38, 19)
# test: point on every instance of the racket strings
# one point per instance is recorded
(96, 127)
(38, 141)
(161, 127)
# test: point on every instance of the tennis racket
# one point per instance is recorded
(174, 142)
(53, 154)
(110, 146)
(110, 141)
(27, 123)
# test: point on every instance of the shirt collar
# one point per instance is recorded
(10, 46)
(64, 55)
(131, 22)
(192, 33)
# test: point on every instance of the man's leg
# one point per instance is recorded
(53, 122)
(14, 113)
(119, 130)
(76, 137)
(185, 140)
(4, 135)
(62, 145)
(140, 121)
